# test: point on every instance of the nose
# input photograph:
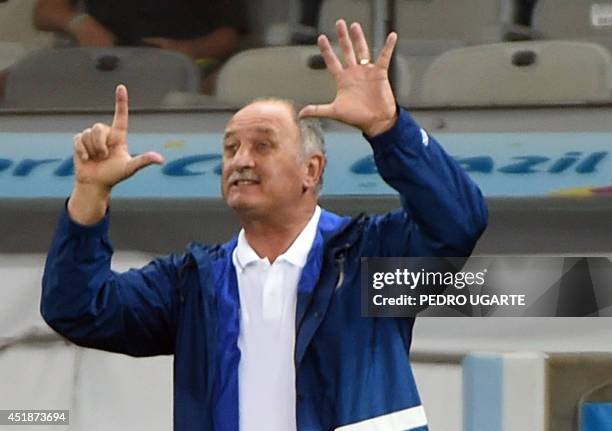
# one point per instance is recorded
(243, 158)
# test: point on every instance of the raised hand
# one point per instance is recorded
(364, 97)
(101, 160)
(101, 152)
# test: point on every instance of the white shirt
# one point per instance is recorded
(268, 298)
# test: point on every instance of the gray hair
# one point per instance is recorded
(313, 141)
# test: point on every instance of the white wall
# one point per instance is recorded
(38, 370)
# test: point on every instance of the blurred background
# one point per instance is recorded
(518, 91)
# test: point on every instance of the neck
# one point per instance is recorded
(272, 236)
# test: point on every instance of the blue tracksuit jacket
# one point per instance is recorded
(352, 373)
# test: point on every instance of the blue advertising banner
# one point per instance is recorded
(34, 165)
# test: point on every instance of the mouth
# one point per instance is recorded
(237, 183)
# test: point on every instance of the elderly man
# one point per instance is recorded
(266, 329)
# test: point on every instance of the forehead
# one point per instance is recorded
(272, 117)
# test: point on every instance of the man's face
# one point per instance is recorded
(262, 167)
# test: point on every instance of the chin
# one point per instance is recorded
(242, 206)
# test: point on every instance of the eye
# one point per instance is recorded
(230, 148)
(263, 145)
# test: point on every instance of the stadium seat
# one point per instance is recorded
(428, 28)
(433, 26)
(10, 52)
(270, 22)
(86, 77)
(17, 32)
(16, 24)
(296, 73)
(350, 10)
(438, 22)
(520, 73)
(574, 19)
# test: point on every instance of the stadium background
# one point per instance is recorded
(536, 140)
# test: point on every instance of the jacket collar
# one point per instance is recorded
(329, 226)
(296, 254)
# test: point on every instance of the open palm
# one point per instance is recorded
(364, 97)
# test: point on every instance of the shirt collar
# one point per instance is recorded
(296, 254)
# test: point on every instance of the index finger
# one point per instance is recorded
(120, 120)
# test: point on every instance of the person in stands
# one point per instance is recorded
(201, 29)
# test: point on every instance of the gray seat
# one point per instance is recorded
(296, 73)
(431, 26)
(86, 77)
(270, 22)
(11, 52)
(437, 22)
(17, 33)
(350, 10)
(520, 73)
(16, 24)
(428, 28)
(574, 19)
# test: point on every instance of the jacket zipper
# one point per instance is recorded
(340, 265)
(341, 253)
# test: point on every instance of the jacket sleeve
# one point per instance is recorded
(88, 303)
(443, 212)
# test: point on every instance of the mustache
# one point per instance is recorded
(246, 175)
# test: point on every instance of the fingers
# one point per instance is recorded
(86, 142)
(92, 143)
(79, 148)
(331, 61)
(359, 41)
(142, 161)
(384, 59)
(120, 120)
(354, 47)
(321, 111)
(99, 137)
(345, 43)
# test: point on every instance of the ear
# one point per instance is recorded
(314, 169)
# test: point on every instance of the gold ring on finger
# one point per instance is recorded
(364, 61)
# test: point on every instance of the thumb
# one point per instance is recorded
(142, 161)
(326, 111)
